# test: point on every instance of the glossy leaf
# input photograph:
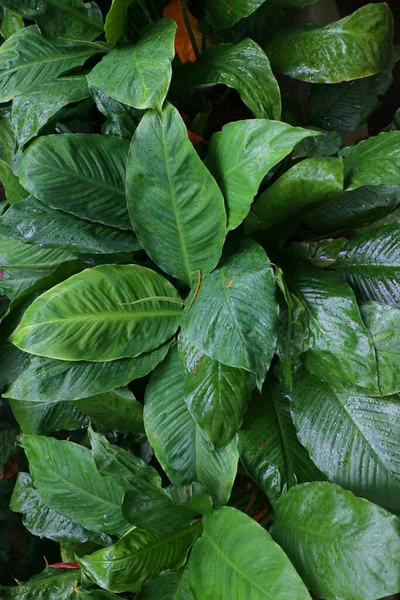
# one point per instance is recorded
(233, 319)
(170, 585)
(222, 13)
(116, 410)
(310, 181)
(236, 557)
(175, 205)
(122, 119)
(13, 189)
(83, 174)
(44, 586)
(322, 253)
(140, 75)
(342, 546)
(354, 47)
(137, 557)
(180, 447)
(67, 480)
(101, 314)
(244, 67)
(41, 418)
(10, 24)
(241, 155)
(116, 24)
(28, 59)
(269, 448)
(357, 448)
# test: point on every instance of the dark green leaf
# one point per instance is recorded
(8, 444)
(170, 585)
(222, 13)
(322, 253)
(116, 410)
(43, 417)
(52, 583)
(122, 119)
(320, 145)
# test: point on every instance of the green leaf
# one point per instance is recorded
(54, 583)
(96, 595)
(322, 253)
(116, 410)
(341, 351)
(49, 380)
(180, 447)
(244, 67)
(116, 24)
(383, 323)
(216, 394)
(269, 448)
(176, 207)
(101, 314)
(139, 75)
(233, 319)
(238, 558)
(354, 47)
(36, 107)
(41, 418)
(8, 444)
(241, 155)
(28, 59)
(10, 24)
(83, 174)
(327, 144)
(311, 181)
(371, 264)
(122, 120)
(67, 480)
(137, 557)
(33, 222)
(13, 189)
(222, 13)
(342, 546)
(170, 585)
(358, 448)
(42, 521)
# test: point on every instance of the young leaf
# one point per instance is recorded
(54, 583)
(179, 445)
(137, 557)
(175, 206)
(354, 47)
(83, 174)
(244, 67)
(358, 449)
(170, 585)
(342, 546)
(233, 319)
(237, 557)
(101, 314)
(139, 75)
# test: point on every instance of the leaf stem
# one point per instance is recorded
(190, 30)
(145, 10)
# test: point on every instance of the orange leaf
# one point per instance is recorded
(183, 45)
(195, 138)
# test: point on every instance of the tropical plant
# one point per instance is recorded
(200, 336)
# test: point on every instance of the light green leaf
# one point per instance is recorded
(36, 107)
(342, 546)
(222, 13)
(241, 155)
(50, 583)
(41, 418)
(101, 314)
(354, 47)
(13, 189)
(180, 447)
(139, 75)
(236, 558)
(28, 59)
(175, 205)
(67, 480)
(244, 67)
(137, 557)
(83, 174)
(269, 448)
(116, 410)
(311, 181)
(11, 23)
(170, 585)
(358, 448)
(116, 25)
(233, 319)
(216, 394)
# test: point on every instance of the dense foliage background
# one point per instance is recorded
(200, 300)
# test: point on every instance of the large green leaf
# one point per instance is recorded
(216, 394)
(383, 323)
(241, 155)
(54, 583)
(139, 75)
(244, 67)
(222, 13)
(28, 59)
(342, 546)
(311, 181)
(67, 480)
(170, 585)
(115, 410)
(83, 174)
(233, 319)
(370, 263)
(236, 558)
(101, 314)
(352, 438)
(176, 207)
(180, 447)
(137, 557)
(41, 418)
(46, 379)
(116, 24)
(36, 107)
(41, 520)
(341, 350)
(269, 448)
(352, 48)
